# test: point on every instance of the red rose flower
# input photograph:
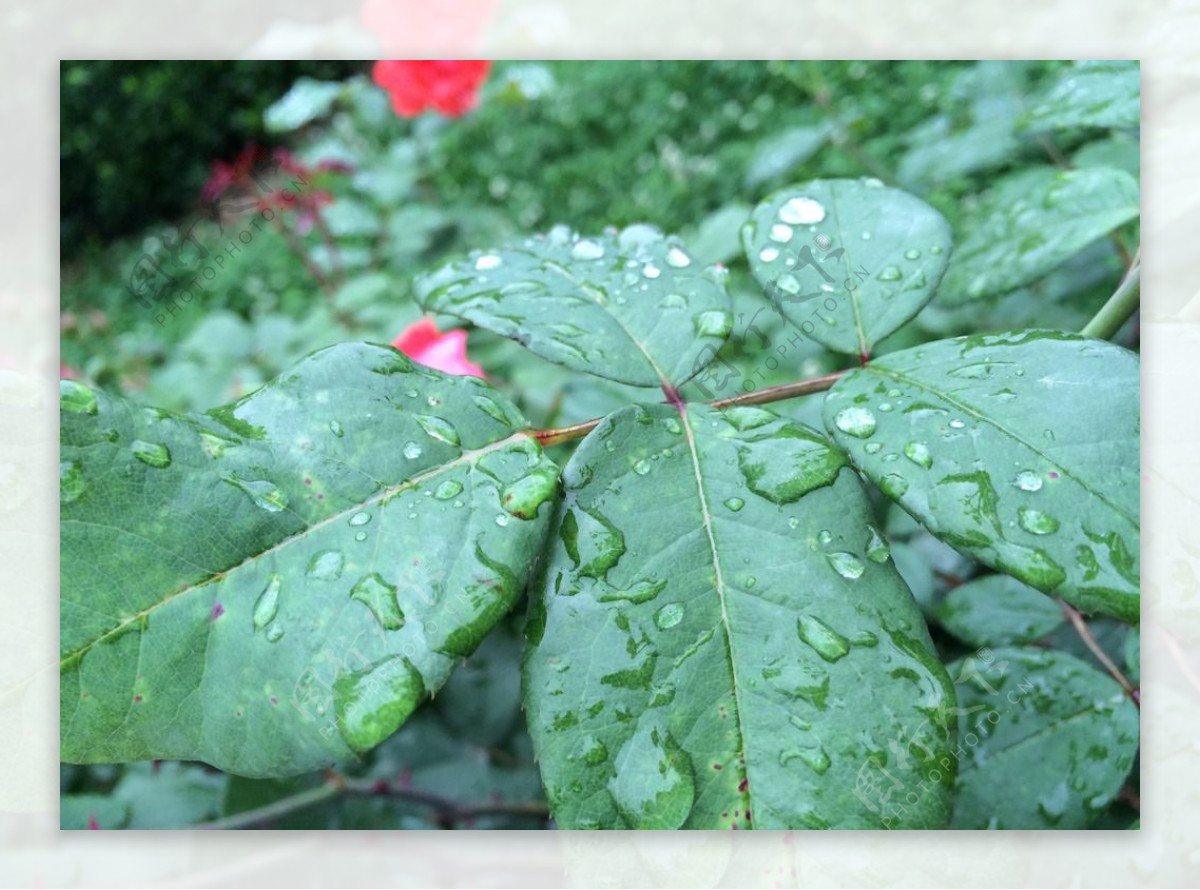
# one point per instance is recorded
(424, 343)
(450, 87)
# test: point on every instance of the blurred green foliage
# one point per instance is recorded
(137, 136)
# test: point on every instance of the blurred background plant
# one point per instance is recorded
(344, 201)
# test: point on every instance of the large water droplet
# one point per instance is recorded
(855, 421)
(642, 467)
(412, 450)
(919, 454)
(825, 536)
(587, 250)
(488, 261)
(437, 428)
(264, 494)
(1028, 480)
(877, 547)
(151, 453)
(653, 786)
(380, 597)
(769, 254)
(734, 504)
(714, 323)
(824, 640)
(802, 211)
(76, 398)
(890, 273)
(1036, 522)
(781, 233)
(326, 565)
(362, 517)
(677, 259)
(873, 447)
(893, 485)
(591, 541)
(447, 489)
(816, 758)
(846, 564)
(71, 483)
(490, 407)
(266, 607)
(336, 428)
(651, 271)
(524, 496)
(669, 616)
(594, 751)
(373, 703)
(912, 254)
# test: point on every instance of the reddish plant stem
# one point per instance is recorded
(758, 397)
(449, 812)
(1076, 618)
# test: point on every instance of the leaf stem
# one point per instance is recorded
(1076, 618)
(1120, 306)
(449, 812)
(559, 435)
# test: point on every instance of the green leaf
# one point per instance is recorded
(81, 811)
(169, 795)
(1133, 654)
(998, 610)
(1090, 94)
(1046, 740)
(718, 639)
(274, 586)
(1020, 449)
(847, 261)
(784, 152)
(307, 101)
(633, 307)
(1033, 223)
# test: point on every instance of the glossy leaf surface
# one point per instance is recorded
(847, 261)
(718, 638)
(634, 307)
(1020, 449)
(1048, 740)
(274, 586)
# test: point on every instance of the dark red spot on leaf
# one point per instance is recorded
(274, 700)
(136, 699)
(93, 825)
(217, 611)
(742, 785)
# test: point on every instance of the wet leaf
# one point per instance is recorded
(1133, 654)
(1090, 94)
(998, 610)
(1019, 449)
(274, 586)
(633, 306)
(1036, 221)
(847, 261)
(1047, 740)
(717, 637)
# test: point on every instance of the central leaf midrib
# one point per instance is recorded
(465, 457)
(706, 519)
(863, 349)
(978, 415)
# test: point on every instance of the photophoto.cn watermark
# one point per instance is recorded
(886, 795)
(170, 276)
(715, 376)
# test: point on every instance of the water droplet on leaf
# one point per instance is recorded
(855, 421)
